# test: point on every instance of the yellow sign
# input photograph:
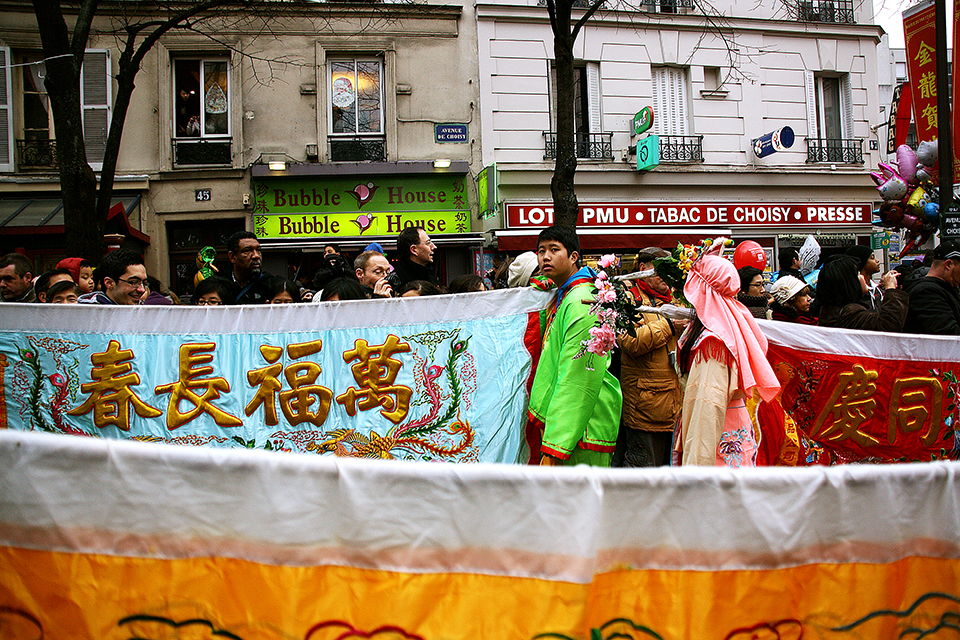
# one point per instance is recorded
(321, 225)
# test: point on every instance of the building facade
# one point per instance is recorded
(318, 123)
(720, 80)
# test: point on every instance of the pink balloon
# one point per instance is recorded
(749, 254)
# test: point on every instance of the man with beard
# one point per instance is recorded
(251, 283)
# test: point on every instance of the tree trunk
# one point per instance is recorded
(78, 184)
(565, 205)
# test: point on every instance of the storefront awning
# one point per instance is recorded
(604, 239)
(40, 215)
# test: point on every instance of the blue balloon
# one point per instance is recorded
(812, 278)
(932, 211)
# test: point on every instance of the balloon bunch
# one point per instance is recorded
(911, 200)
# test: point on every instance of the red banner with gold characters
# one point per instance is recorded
(850, 396)
(920, 34)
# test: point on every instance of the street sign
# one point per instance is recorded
(643, 121)
(450, 133)
(648, 153)
(950, 223)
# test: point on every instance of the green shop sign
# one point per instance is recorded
(313, 207)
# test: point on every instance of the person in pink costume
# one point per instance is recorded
(724, 354)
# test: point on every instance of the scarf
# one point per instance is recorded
(665, 298)
(712, 287)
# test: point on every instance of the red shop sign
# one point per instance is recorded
(699, 214)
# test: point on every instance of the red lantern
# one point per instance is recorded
(749, 254)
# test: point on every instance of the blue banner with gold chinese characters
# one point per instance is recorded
(433, 378)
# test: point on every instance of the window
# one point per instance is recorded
(591, 142)
(670, 100)
(830, 119)
(201, 119)
(355, 96)
(27, 135)
(6, 116)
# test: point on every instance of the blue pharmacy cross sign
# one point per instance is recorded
(450, 133)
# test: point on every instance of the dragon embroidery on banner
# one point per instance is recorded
(41, 390)
(439, 433)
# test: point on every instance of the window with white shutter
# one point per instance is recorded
(6, 116)
(587, 110)
(830, 119)
(95, 94)
(670, 107)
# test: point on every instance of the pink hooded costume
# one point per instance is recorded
(727, 362)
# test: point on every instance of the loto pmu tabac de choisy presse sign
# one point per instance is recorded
(309, 207)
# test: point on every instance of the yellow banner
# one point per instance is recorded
(321, 225)
(59, 595)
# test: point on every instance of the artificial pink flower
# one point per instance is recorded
(607, 260)
(606, 294)
(602, 340)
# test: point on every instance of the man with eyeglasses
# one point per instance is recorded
(124, 279)
(414, 258)
(372, 270)
(934, 303)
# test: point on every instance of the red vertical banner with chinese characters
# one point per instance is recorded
(955, 122)
(920, 33)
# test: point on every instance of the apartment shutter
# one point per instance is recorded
(593, 89)
(670, 101)
(810, 84)
(847, 106)
(6, 119)
(95, 100)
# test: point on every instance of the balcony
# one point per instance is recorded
(835, 150)
(33, 155)
(193, 153)
(577, 4)
(358, 150)
(589, 146)
(836, 11)
(666, 6)
(681, 149)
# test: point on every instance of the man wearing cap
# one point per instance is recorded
(869, 265)
(934, 303)
(651, 389)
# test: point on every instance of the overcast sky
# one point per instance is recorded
(888, 16)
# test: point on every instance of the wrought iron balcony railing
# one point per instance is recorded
(358, 150)
(37, 154)
(191, 153)
(837, 11)
(839, 150)
(590, 146)
(666, 6)
(577, 4)
(681, 148)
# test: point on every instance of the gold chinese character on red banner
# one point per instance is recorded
(924, 54)
(297, 401)
(111, 395)
(851, 404)
(375, 373)
(192, 367)
(909, 402)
